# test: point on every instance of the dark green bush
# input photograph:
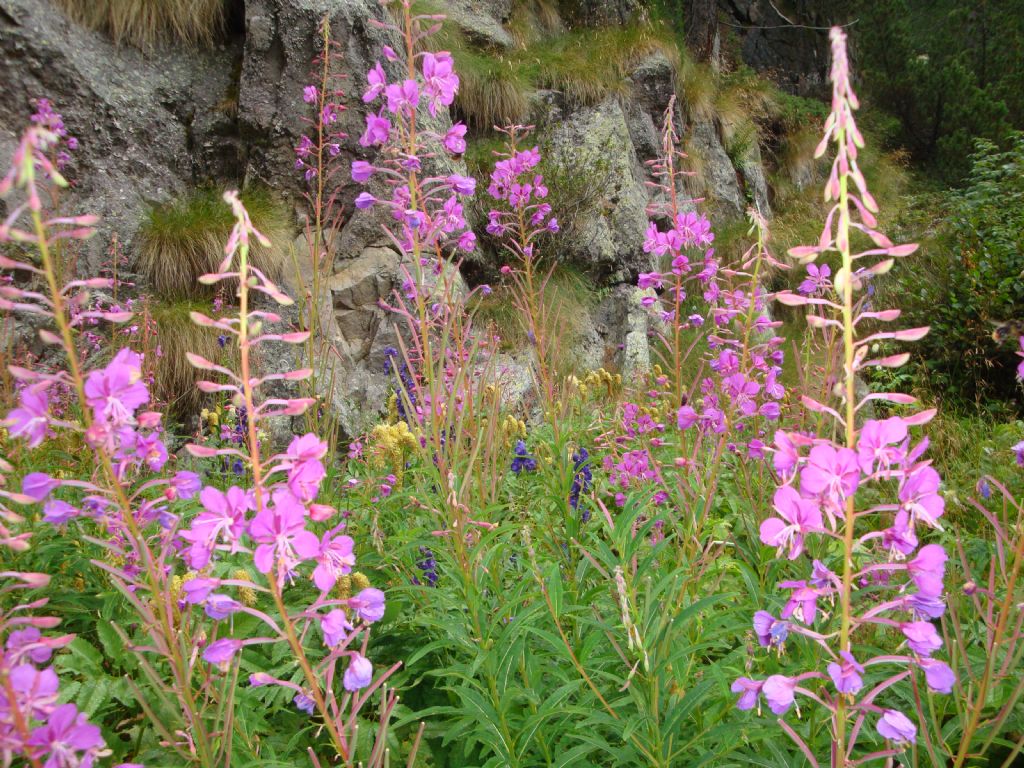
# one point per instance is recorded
(980, 287)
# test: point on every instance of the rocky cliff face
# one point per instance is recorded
(789, 40)
(152, 124)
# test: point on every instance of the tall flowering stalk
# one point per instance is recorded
(173, 578)
(318, 157)
(736, 390)
(883, 577)
(136, 525)
(438, 378)
(987, 653)
(281, 535)
(34, 726)
(428, 221)
(519, 218)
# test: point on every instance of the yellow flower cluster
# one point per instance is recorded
(391, 442)
(596, 382)
(513, 429)
(246, 594)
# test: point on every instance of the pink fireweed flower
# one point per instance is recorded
(335, 626)
(928, 569)
(455, 139)
(221, 521)
(403, 98)
(282, 537)
(304, 479)
(650, 280)
(922, 637)
(938, 675)
(310, 94)
(361, 171)
(221, 651)
(334, 557)
(35, 690)
(749, 691)
(846, 674)
(67, 738)
(377, 81)
(900, 539)
(117, 391)
(780, 693)
(219, 607)
(799, 516)
(57, 512)
(895, 726)
(359, 673)
(919, 496)
(185, 484)
(1018, 449)
(771, 632)
(368, 605)
(803, 603)
(199, 589)
(31, 419)
(440, 83)
(378, 131)
(785, 456)
(28, 642)
(38, 485)
(924, 605)
(831, 474)
(878, 446)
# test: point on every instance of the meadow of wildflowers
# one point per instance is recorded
(711, 563)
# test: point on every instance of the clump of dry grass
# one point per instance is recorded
(144, 23)
(492, 89)
(174, 378)
(532, 20)
(181, 241)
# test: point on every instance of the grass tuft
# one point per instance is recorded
(590, 64)
(569, 296)
(492, 89)
(585, 65)
(697, 86)
(144, 23)
(174, 378)
(181, 241)
(533, 20)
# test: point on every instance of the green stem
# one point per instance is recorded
(846, 596)
(165, 619)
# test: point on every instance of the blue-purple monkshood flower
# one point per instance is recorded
(429, 567)
(522, 459)
(404, 376)
(582, 480)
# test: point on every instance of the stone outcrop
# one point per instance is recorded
(791, 47)
(149, 125)
(596, 162)
(152, 124)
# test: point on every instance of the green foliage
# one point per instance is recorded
(569, 296)
(585, 65)
(183, 240)
(950, 71)
(493, 89)
(973, 281)
(144, 23)
(588, 65)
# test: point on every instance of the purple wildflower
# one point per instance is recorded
(895, 726)
(359, 673)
